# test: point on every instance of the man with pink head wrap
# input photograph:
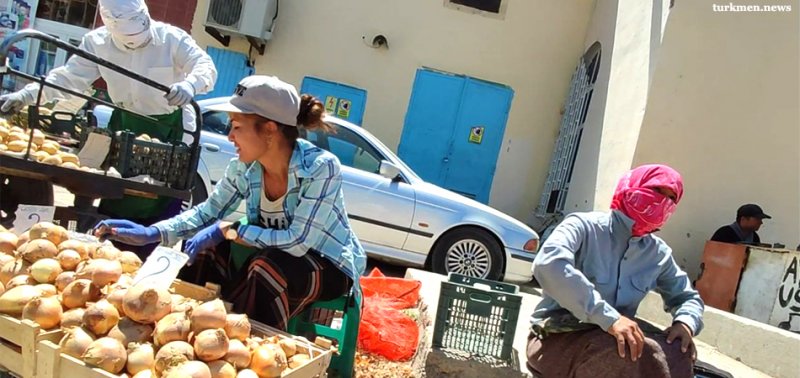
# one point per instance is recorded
(595, 269)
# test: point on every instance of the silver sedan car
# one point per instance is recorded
(396, 215)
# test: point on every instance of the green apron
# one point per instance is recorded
(240, 253)
(168, 129)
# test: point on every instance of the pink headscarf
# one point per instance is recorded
(635, 196)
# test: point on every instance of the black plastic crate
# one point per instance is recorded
(477, 320)
(166, 162)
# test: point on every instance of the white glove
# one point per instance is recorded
(180, 93)
(14, 102)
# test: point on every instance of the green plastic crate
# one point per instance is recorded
(476, 320)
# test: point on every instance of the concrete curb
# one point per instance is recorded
(763, 347)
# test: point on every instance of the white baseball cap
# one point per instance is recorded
(266, 96)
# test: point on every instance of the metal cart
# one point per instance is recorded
(87, 186)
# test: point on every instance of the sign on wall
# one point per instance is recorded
(16, 15)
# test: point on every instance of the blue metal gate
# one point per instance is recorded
(232, 66)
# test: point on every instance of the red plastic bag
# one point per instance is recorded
(384, 329)
(400, 293)
(387, 331)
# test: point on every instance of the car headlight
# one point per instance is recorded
(531, 245)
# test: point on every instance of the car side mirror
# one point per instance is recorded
(390, 171)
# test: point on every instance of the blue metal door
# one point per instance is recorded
(342, 101)
(454, 130)
(231, 66)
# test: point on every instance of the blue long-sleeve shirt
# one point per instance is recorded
(592, 269)
(313, 205)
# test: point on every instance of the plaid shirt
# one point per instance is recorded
(314, 207)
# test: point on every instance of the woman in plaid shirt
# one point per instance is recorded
(305, 249)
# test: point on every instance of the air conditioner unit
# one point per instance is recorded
(249, 18)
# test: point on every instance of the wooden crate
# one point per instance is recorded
(18, 343)
(200, 293)
(53, 364)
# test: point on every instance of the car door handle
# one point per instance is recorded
(211, 147)
(446, 160)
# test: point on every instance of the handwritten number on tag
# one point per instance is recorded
(34, 215)
(166, 260)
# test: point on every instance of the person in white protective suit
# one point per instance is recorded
(161, 52)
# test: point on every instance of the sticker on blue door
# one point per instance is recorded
(453, 131)
(342, 101)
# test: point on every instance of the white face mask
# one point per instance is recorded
(131, 42)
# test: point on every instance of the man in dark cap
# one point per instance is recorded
(748, 220)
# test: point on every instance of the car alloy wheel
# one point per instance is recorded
(470, 258)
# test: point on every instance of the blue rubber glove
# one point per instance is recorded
(127, 232)
(208, 238)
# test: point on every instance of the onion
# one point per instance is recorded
(298, 360)
(130, 262)
(78, 293)
(64, 279)
(8, 243)
(13, 301)
(69, 259)
(268, 361)
(44, 311)
(77, 246)
(5, 259)
(72, 318)
(211, 344)
(47, 290)
(221, 369)
(190, 369)
(144, 374)
(12, 269)
(140, 357)
(238, 354)
(51, 232)
(107, 354)
(209, 315)
(106, 251)
(183, 304)
(116, 296)
(237, 326)
(173, 354)
(23, 238)
(247, 373)
(38, 249)
(172, 327)
(76, 341)
(127, 331)
(289, 346)
(46, 270)
(105, 272)
(146, 304)
(100, 317)
(22, 279)
(126, 280)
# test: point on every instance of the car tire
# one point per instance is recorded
(469, 251)
(199, 194)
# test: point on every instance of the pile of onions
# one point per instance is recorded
(45, 311)
(146, 304)
(107, 354)
(268, 361)
(209, 315)
(211, 344)
(127, 331)
(100, 317)
(237, 326)
(76, 341)
(79, 292)
(172, 327)
(140, 357)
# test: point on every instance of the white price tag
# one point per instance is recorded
(28, 215)
(161, 267)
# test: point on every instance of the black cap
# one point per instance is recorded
(751, 210)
